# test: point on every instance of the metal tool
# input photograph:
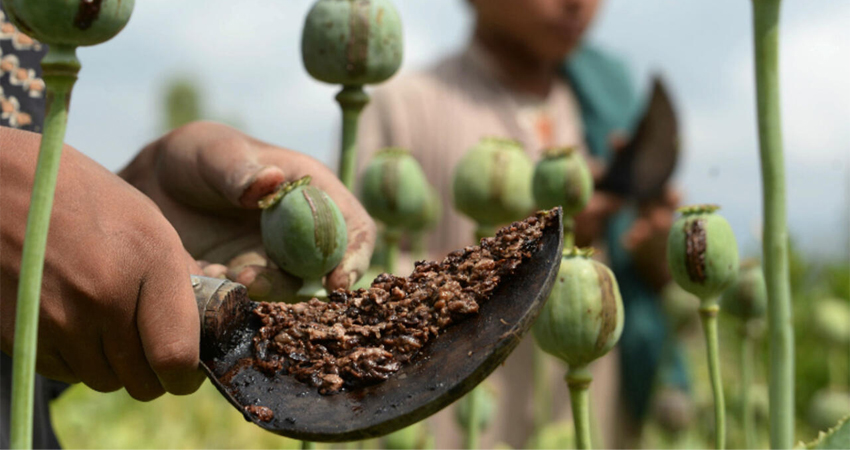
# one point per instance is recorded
(642, 168)
(447, 368)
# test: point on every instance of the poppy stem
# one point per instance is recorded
(747, 422)
(60, 67)
(578, 380)
(775, 235)
(352, 100)
(473, 428)
(708, 312)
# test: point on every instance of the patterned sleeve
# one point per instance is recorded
(21, 86)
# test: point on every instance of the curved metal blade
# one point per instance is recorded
(642, 168)
(447, 368)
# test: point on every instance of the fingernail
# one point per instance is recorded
(260, 184)
(352, 278)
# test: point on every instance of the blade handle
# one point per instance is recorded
(222, 304)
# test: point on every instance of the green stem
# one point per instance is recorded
(542, 403)
(708, 313)
(312, 288)
(473, 428)
(352, 100)
(569, 233)
(308, 445)
(747, 423)
(60, 67)
(578, 380)
(775, 234)
(391, 238)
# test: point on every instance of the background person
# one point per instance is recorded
(526, 75)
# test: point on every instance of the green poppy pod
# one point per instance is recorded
(486, 402)
(394, 189)
(352, 42)
(702, 251)
(831, 321)
(562, 178)
(492, 182)
(746, 299)
(583, 317)
(69, 22)
(303, 232)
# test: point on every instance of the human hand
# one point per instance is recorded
(208, 178)
(646, 240)
(117, 307)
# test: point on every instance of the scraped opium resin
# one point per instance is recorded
(362, 337)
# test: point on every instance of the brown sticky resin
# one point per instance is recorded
(695, 248)
(87, 13)
(362, 337)
(608, 313)
(260, 412)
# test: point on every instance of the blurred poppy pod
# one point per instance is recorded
(673, 409)
(394, 189)
(702, 251)
(831, 321)
(827, 407)
(746, 299)
(680, 306)
(352, 42)
(303, 232)
(562, 178)
(583, 317)
(492, 182)
(430, 216)
(70, 23)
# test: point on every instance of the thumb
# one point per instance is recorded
(242, 182)
(213, 166)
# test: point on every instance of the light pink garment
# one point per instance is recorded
(438, 114)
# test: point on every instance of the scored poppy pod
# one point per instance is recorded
(303, 232)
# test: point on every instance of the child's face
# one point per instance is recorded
(549, 29)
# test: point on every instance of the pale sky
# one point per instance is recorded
(246, 57)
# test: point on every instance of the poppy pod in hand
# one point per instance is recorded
(746, 299)
(583, 318)
(70, 22)
(303, 232)
(394, 189)
(352, 42)
(702, 251)
(562, 178)
(492, 182)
